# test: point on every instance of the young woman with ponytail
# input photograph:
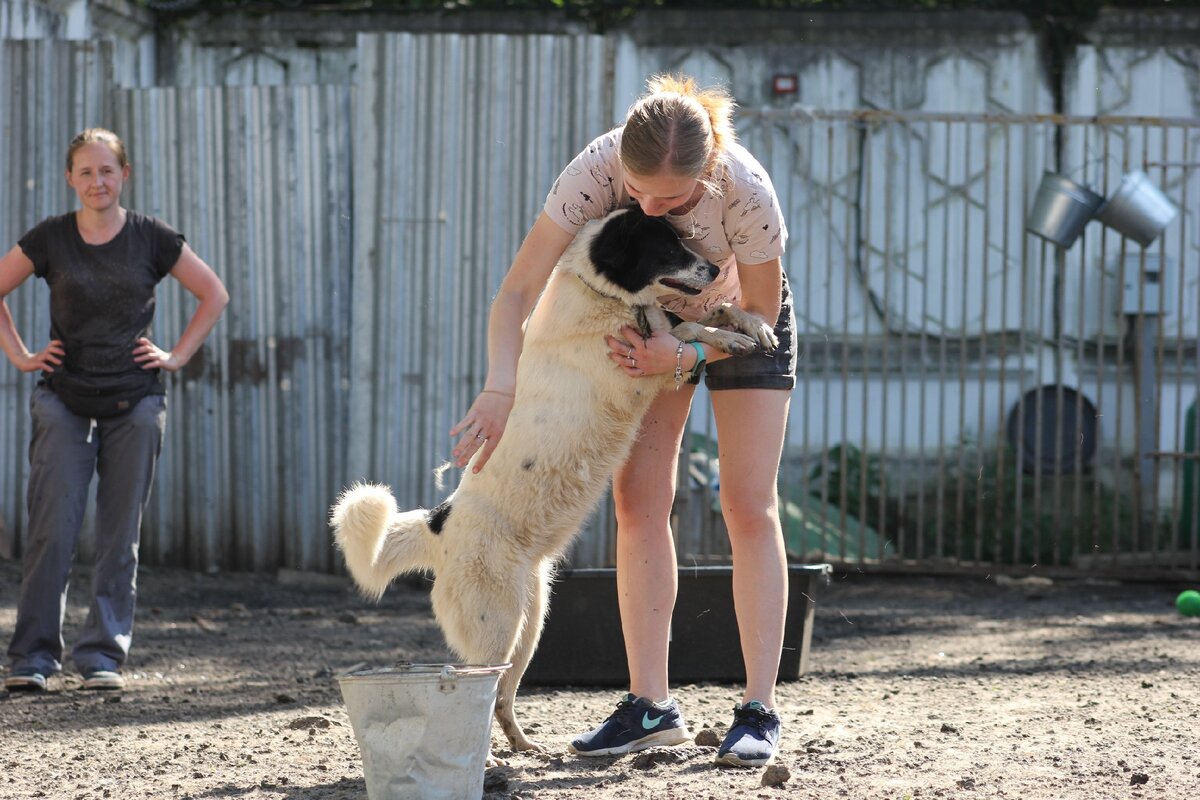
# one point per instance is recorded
(677, 157)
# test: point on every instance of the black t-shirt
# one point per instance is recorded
(102, 296)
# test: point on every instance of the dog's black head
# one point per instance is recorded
(638, 258)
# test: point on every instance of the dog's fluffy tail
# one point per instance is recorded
(379, 541)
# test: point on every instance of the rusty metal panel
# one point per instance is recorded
(52, 90)
(258, 179)
(26, 19)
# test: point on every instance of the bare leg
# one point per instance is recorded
(750, 432)
(647, 576)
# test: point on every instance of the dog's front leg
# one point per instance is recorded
(735, 318)
(735, 344)
(749, 332)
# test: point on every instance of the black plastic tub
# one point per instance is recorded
(581, 644)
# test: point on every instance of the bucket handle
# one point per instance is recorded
(448, 679)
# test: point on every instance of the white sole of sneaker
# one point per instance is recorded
(24, 684)
(730, 760)
(674, 736)
(104, 684)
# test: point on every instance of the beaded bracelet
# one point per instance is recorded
(679, 365)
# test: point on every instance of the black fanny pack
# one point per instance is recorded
(101, 396)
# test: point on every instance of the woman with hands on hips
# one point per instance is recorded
(100, 406)
(677, 157)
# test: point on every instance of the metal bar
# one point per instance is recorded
(939, 538)
(805, 322)
(826, 465)
(964, 291)
(889, 167)
(922, 337)
(861, 256)
(1002, 354)
(882, 115)
(908, 164)
(853, 167)
(985, 306)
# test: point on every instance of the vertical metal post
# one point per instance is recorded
(1143, 302)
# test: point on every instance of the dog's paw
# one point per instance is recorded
(731, 317)
(736, 344)
(527, 745)
(765, 336)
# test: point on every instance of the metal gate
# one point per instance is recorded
(970, 396)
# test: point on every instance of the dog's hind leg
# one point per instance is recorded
(378, 541)
(531, 632)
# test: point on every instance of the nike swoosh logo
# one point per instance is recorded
(648, 723)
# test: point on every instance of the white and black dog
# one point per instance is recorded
(493, 543)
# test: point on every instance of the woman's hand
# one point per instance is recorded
(638, 357)
(148, 355)
(482, 428)
(46, 359)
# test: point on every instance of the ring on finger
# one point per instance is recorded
(633, 363)
(481, 437)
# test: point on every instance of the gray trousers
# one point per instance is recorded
(64, 452)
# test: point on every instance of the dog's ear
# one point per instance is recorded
(627, 246)
(612, 249)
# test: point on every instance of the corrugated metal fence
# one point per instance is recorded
(260, 181)
(351, 344)
(47, 86)
(363, 231)
(447, 184)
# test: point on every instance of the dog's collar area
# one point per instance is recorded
(594, 289)
(643, 321)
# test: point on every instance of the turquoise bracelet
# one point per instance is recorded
(698, 368)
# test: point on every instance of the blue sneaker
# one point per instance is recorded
(637, 723)
(103, 680)
(25, 679)
(752, 740)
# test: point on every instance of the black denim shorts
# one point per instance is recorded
(760, 370)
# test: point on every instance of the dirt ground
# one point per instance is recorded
(917, 688)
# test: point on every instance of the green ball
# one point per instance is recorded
(1188, 603)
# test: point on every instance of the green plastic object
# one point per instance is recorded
(813, 531)
(1188, 603)
(1189, 520)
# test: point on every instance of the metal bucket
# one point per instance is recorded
(1137, 209)
(1061, 209)
(424, 730)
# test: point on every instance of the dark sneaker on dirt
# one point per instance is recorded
(103, 679)
(637, 723)
(752, 740)
(25, 680)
